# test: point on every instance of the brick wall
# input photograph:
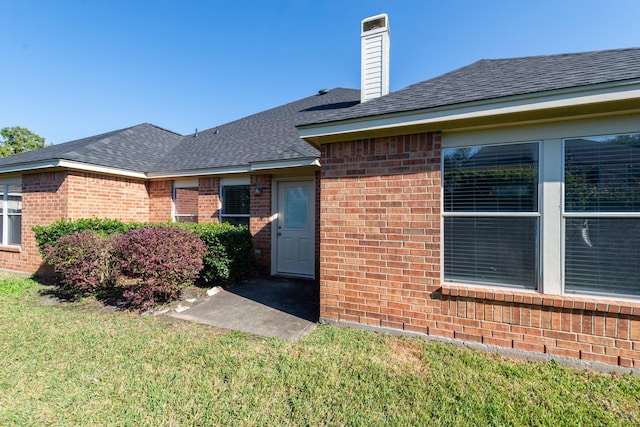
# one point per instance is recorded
(43, 202)
(209, 204)
(260, 222)
(50, 196)
(93, 195)
(160, 201)
(380, 264)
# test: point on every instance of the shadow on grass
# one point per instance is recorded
(55, 293)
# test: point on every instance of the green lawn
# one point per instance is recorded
(72, 366)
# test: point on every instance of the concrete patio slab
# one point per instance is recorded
(269, 307)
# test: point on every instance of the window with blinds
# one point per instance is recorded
(491, 214)
(602, 215)
(11, 214)
(235, 204)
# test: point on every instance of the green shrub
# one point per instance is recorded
(83, 261)
(49, 234)
(157, 262)
(228, 258)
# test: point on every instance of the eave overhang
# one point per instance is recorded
(57, 164)
(69, 164)
(246, 168)
(589, 101)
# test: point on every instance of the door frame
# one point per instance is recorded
(274, 224)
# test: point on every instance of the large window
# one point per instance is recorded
(185, 201)
(11, 210)
(602, 214)
(235, 201)
(568, 223)
(491, 215)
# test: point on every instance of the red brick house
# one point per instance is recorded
(498, 204)
(254, 171)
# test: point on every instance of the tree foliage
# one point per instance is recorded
(16, 140)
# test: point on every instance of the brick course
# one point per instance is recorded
(380, 232)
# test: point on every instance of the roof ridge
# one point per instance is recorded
(278, 107)
(159, 128)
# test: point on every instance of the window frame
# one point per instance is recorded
(588, 214)
(5, 211)
(178, 184)
(497, 214)
(231, 182)
(551, 137)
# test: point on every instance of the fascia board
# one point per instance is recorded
(472, 110)
(100, 169)
(199, 172)
(281, 164)
(29, 166)
(252, 167)
(69, 164)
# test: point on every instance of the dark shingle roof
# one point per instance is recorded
(489, 79)
(137, 148)
(267, 136)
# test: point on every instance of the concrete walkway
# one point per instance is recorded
(270, 307)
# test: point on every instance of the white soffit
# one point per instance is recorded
(69, 164)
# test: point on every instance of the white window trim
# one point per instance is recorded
(5, 209)
(183, 183)
(551, 138)
(224, 182)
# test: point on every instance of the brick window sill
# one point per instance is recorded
(15, 249)
(533, 298)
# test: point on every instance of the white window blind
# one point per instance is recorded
(602, 215)
(11, 214)
(491, 223)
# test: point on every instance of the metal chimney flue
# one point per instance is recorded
(374, 79)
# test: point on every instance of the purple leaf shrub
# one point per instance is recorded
(83, 261)
(155, 263)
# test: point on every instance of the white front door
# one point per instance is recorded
(295, 238)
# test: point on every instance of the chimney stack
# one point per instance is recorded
(374, 79)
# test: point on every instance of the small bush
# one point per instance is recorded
(228, 257)
(155, 263)
(48, 235)
(83, 261)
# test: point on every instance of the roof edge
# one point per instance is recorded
(69, 164)
(315, 133)
(251, 167)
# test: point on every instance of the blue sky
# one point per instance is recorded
(76, 68)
